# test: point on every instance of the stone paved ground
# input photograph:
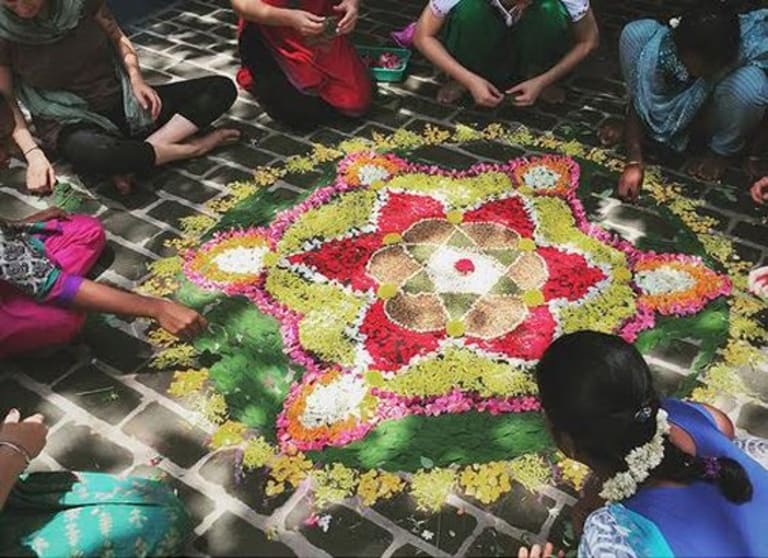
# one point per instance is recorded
(110, 412)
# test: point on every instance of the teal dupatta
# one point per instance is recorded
(62, 106)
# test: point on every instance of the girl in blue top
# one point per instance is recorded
(672, 481)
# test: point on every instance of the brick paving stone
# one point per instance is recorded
(667, 381)
(100, 394)
(118, 349)
(756, 234)
(348, 534)
(130, 264)
(198, 167)
(184, 187)
(327, 137)
(754, 419)
(171, 211)
(220, 469)
(232, 536)
(245, 155)
(747, 252)
(449, 528)
(157, 244)
(78, 448)
(169, 434)
(285, 145)
(522, 508)
(158, 380)
(15, 396)
(45, 369)
(677, 352)
(756, 380)
(408, 550)
(13, 208)
(223, 176)
(127, 226)
(492, 543)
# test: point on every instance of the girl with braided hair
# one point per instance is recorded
(671, 481)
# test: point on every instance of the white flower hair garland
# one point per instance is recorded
(640, 462)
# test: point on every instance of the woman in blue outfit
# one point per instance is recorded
(703, 77)
(80, 514)
(670, 479)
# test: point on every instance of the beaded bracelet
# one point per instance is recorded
(18, 449)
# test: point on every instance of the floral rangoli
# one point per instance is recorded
(404, 290)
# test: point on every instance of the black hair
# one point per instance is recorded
(711, 31)
(598, 389)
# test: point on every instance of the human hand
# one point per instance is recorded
(484, 93)
(537, 551)
(46, 215)
(759, 190)
(40, 174)
(348, 21)
(28, 434)
(147, 97)
(631, 181)
(306, 23)
(178, 320)
(525, 94)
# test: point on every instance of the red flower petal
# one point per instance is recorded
(343, 259)
(509, 212)
(390, 345)
(403, 210)
(570, 275)
(528, 341)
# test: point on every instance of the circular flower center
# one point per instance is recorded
(465, 266)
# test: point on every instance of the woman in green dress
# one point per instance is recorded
(80, 514)
(490, 48)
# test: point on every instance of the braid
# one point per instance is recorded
(728, 474)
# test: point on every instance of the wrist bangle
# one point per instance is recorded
(31, 149)
(633, 163)
(18, 449)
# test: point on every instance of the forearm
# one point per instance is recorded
(20, 134)
(261, 12)
(11, 466)
(567, 63)
(435, 52)
(633, 135)
(95, 297)
(122, 44)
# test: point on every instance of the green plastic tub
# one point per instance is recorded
(385, 74)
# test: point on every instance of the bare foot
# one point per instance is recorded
(450, 92)
(709, 167)
(212, 140)
(124, 183)
(611, 132)
(554, 95)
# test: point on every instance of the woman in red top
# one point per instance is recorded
(299, 62)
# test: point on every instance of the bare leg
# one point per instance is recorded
(175, 130)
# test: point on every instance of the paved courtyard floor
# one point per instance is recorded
(110, 411)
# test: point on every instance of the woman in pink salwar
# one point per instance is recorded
(44, 295)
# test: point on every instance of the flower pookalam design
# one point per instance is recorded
(404, 289)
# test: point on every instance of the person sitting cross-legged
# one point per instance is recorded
(72, 67)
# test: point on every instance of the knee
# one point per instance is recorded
(743, 91)
(358, 101)
(90, 231)
(221, 94)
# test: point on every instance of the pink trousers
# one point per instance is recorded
(27, 324)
